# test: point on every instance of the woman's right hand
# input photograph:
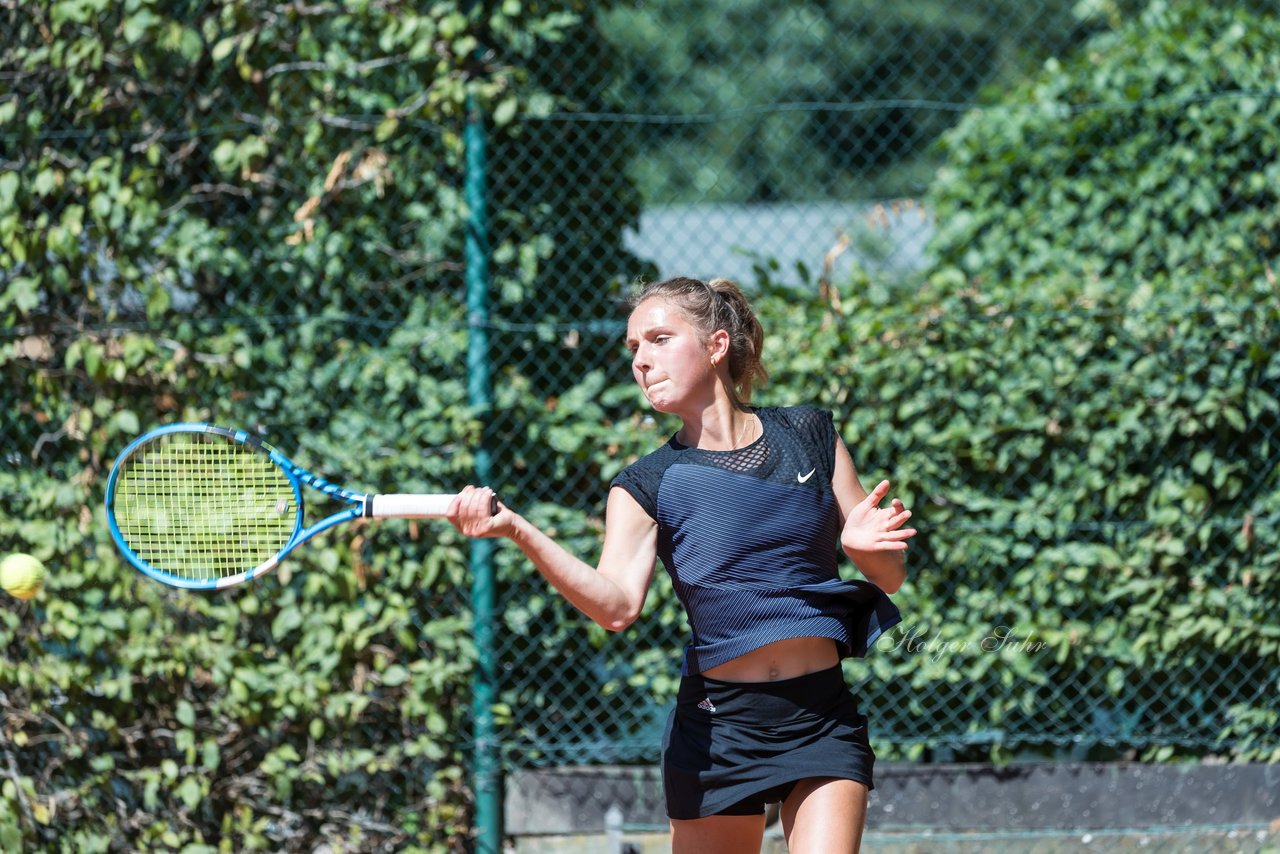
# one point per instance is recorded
(470, 513)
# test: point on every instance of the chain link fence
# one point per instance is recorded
(796, 144)
(790, 146)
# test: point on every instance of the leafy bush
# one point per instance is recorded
(1092, 467)
(1095, 472)
(1088, 431)
(248, 215)
(1151, 151)
(1110, 230)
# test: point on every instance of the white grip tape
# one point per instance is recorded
(410, 506)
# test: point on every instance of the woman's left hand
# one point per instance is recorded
(872, 528)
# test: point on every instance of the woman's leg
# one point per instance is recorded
(824, 815)
(718, 834)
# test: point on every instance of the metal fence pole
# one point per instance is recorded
(486, 770)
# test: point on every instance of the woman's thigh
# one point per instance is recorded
(824, 815)
(718, 834)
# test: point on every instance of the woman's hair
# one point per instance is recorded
(718, 304)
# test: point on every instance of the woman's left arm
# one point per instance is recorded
(872, 536)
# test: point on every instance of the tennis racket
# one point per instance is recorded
(203, 507)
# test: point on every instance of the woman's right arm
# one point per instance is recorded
(611, 594)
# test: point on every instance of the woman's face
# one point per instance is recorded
(669, 358)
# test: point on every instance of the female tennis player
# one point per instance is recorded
(745, 506)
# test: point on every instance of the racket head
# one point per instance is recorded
(202, 507)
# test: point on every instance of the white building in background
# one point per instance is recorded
(710, 240)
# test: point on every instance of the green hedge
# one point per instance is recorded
(249, 213)
(1149, 152)
(1091, 444)
(1115, 219)
(1081, 461)
(1080, 404)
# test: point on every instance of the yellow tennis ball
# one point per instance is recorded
(21, 575)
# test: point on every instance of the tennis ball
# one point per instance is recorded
(21, 575)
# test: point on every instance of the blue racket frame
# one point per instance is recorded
(297, 476)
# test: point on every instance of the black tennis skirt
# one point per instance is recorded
(732, 747)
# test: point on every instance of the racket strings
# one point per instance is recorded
(203, 507)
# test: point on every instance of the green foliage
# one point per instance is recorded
(544, 183)
(254, 217)
(1103, 311)
(1092, 469)
(753, 101)
(248, 213)
(327, 704)
(1149, 152)
(1093, 472)
(1091, 458)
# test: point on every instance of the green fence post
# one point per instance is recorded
(486, 770)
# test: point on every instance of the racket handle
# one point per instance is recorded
(407, 506)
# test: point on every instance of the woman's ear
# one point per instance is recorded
(718, 346)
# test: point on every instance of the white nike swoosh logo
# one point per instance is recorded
(803, 477)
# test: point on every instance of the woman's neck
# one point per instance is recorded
(721, 428)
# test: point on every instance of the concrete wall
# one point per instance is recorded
(1076, 804)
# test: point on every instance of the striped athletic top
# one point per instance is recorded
(750, 538)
